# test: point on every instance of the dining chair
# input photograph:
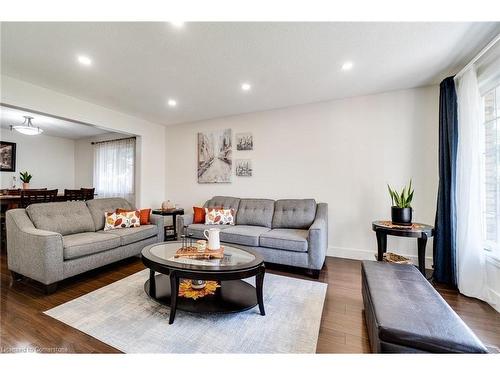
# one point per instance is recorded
(88, 193)
(32, 196)
(11, 191)
(4, 206)
(73, 195)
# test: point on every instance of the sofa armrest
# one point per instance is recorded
(35, 253)
(182, 221)
(159, 221)
(318, 237)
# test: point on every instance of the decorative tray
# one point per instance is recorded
(193, 253)
(395, 258)
(389, 224)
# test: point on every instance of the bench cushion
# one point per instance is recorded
(404, 311)
(243, 234)
(285, 239)
(61, 217)
(88, 243)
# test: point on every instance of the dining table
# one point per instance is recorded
(12, 201)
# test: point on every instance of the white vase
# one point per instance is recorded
(213, 238)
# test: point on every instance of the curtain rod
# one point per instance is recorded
(112, 140)
(478, 56)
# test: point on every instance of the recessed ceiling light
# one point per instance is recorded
(246, 86)
(347, 65)
(172, 103)
(177, 24)
(84, 60)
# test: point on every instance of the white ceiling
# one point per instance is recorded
(138, 66)
(51, 126)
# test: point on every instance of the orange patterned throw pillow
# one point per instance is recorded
(129, 219)
(219, 216)
(145, 214)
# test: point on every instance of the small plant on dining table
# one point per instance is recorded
(25, 177)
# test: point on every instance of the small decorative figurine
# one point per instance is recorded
(168, 205)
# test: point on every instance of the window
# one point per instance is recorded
(114, 165)
(491, 169)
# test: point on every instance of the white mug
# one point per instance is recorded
(201, 245)
(213, 238)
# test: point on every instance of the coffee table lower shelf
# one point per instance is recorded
(232, 296)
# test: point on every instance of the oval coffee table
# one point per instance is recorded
(233, 295)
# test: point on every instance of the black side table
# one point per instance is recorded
(419, 231)
(173, 213)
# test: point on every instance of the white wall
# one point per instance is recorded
(151, 171)
(342, 152)
(50, 160)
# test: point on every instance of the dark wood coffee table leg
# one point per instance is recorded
(174, 224)
(381, 244)
(152, 283)
(259, 284)
(174, 292)
(422, 243)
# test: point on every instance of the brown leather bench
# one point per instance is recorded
(405, 314)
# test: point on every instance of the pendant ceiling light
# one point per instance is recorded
(27, 127)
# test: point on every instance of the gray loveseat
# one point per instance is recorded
(49, 242)
(291, 232)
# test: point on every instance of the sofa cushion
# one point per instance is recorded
(294, 213)
(285, 239)
(256, 212)
(131, 235)
(198, 215)
(223, 202)
(144, 215)
(61, 217)
(219, 216)
(98, 207)
(243, 234)
(197, 229)
(87, 243)
(124, 219)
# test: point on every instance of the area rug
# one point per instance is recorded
(124, 317)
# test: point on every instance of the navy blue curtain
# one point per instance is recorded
(444, 238)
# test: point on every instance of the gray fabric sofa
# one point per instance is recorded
(292, 232)
(49, 242)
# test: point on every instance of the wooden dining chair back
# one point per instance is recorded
(37, 196)
(88, 193)
(4, 206)
(73, 195)
(11, 191)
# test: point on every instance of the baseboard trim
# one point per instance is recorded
(492, 277)
(363, 254)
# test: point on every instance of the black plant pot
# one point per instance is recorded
(401, 216)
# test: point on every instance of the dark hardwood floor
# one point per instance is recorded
(23, 324)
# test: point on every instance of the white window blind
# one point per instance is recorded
(114, 169)
(491, 169)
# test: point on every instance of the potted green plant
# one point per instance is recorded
(25, 178)
(401, 210)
